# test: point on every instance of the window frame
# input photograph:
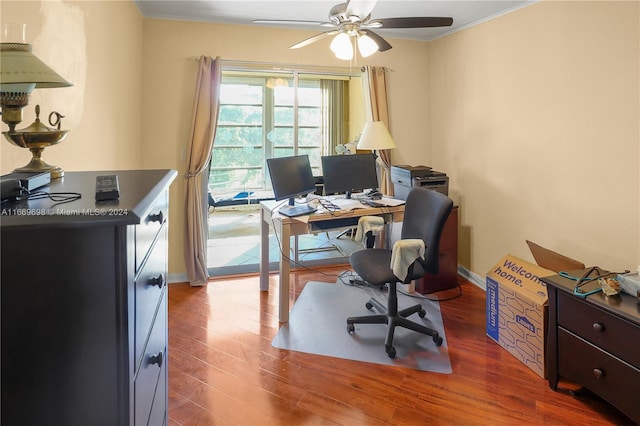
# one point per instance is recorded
(261, 76)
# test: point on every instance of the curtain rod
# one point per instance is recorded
(284, 67)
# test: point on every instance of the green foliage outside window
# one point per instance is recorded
(256, 123)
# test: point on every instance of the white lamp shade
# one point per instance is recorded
(376, 136)
(366, 46)
(341, 46)
(19, 65)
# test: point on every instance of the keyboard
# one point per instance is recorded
(293, 211)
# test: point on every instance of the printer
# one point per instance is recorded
(406, 177)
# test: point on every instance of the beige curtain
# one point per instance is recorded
(203, 128)
(333, 115)
(375, 94)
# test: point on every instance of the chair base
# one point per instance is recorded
(393, 318)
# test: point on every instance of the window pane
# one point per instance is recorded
(236, 157)
(257, 121)
(240, 114)
(281, 136)
(282, 152)
(224, 181)
(310, 96)
(309, 117)
(240, 94)
(314, 158)
(254, 178)
(310, 136)
(234, 135)
(283, 115)
(283, 95)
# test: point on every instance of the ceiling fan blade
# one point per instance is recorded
(383, 45)
(313, 39)
(290, 22)
(417, 22)
(360, 8)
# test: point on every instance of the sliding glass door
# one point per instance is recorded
(265, 114)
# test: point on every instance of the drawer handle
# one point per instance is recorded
(598, 373)
(597, 326)
(156, 217)
(156, 359)
(159, 281)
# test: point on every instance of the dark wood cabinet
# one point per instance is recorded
(593, 341)
(447, 276)
(84, 304)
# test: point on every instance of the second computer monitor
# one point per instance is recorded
(349, 173)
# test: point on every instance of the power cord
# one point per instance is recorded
(298, 264)
(57, 197)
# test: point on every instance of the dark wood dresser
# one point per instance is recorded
(84, 304)
(594, 341)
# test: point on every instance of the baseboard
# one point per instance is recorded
(177, 278)
(472, 277)
(462, 271)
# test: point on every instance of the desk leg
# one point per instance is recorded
(264, 252)
(285, 268)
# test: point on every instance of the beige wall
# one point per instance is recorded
(535, 117)
(169, 64)
(96, 45)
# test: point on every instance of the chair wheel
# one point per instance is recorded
(437, 340)
(422, 313)
(351, 328)
(391, 351)
(369, 305)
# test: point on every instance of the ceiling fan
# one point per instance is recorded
(353, 20)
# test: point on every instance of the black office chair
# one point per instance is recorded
(426, 212)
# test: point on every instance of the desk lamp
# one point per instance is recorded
(20, 73)
(375, 137)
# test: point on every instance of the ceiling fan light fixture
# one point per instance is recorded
(341, 47)
(367, 46)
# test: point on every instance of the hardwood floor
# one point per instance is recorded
(224, 371)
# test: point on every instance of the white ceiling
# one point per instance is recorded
(465, 13)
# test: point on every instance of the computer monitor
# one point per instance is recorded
(348, 173)
(291, 177)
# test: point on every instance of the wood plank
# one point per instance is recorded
(223, 369)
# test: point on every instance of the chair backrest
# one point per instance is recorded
(425, 214)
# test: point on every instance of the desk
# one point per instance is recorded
(286, 227)
(593, 341)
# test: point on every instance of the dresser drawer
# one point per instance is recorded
(152, 367)
(158, 413)
(612, 334)
(149, 287)
(148, 228)
(597, 370)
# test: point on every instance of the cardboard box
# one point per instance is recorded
(517, 310)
